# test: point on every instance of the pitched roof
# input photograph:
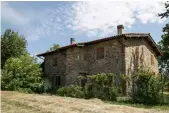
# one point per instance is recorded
(141, 35)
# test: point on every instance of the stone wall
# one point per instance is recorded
(82, 60)
(75, 64)
(122, 56)
(112, 61)
(55, 70)
(138, 53)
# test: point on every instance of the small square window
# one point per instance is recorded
(55, 61)
(78, 57)
(100, 53)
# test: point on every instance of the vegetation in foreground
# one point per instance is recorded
(16, 102)
(147, 88)
(21, 72)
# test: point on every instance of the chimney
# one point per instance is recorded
(120, 29)
(72, 41)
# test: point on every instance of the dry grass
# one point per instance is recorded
(15, 102)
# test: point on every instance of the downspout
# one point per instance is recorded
(123, 56)
(123, 65)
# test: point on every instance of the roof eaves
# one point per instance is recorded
(155, 45)
(106, 39)
(148, 36)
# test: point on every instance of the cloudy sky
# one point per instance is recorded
(46, 23)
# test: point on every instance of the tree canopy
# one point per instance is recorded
(12, 45)
(21, 74)
(164, 44)
(166, 13)
(54, 47)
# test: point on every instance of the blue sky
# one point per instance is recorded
(46, 23)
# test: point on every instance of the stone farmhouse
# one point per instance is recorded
(120, 54)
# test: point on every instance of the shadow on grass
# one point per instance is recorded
(128, 102)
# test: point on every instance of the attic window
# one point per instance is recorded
(100, 53)
(152, 60)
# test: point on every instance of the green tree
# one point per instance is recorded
(12, 45)
(54, 47)
(164, 45)
(21, 74)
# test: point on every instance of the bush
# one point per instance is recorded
(101, 86)
(21, 73)
(71, 91)
(46, 86)
(147, 88)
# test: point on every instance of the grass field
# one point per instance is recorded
(16, 102)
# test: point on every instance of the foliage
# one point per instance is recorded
(46, 86)
(164, 45)
(147, 88)
(71, 91)
(122, 84)
(129, 102)
(21, 73)
(101, 86)
(12, 45)
(54, 47)
(166, 13)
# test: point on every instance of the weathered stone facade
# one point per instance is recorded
(138, 53)
(83, 60)
(122, 55)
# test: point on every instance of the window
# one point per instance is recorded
(100, 53)
(78, 57)
(57, 80)
(55, 61)
(152, 60)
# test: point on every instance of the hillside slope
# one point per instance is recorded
(15, 102)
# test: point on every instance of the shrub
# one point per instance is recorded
(46, 86)
(21, 73)
(71, 91)
(122, 84)
(147, 88)
(101, 86)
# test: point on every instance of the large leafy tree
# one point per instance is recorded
(164, 44)
(21, 74)
(12, 45)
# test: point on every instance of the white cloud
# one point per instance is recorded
(34, 23)
(12, 15)
(148, 11)
(92, 16)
